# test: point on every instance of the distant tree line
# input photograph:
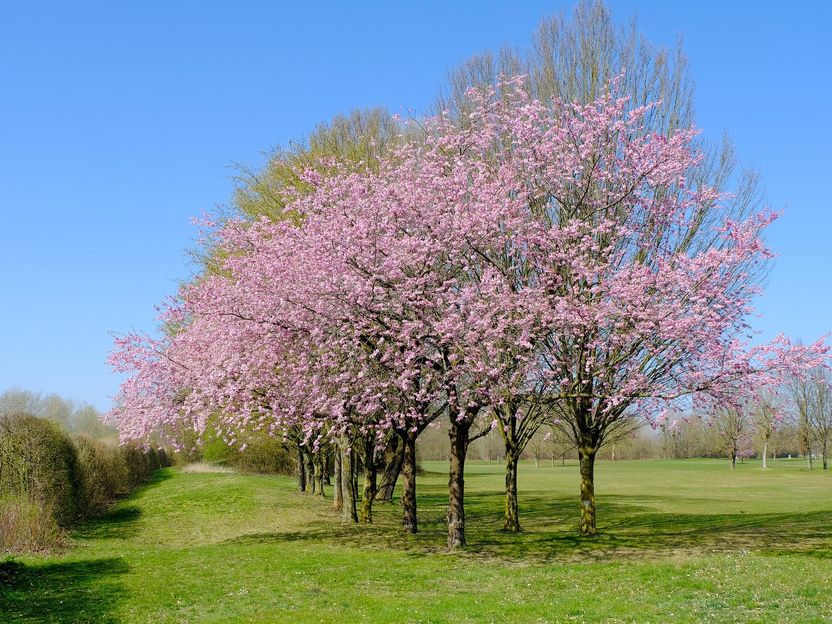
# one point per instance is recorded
(76, 417)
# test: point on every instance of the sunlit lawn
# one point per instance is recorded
(680, 541)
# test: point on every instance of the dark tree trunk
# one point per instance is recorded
(325, 465)
(301, 469)
(370, 475)
(393, 468)
(458, 433)
(409, 483)
(825, 467)
(587, 461)
(511, 521)
(733, 461)
(338, 494)
(349, 511)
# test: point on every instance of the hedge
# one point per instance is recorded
(50, 480)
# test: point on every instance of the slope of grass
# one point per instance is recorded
(684, 541)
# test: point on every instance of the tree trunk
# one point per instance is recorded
(318, 463)
(349, 511)
(511, 521)
(587, 465)
(409, 483)
(310, 470)
(301, 470)
(368, 494)
(458, 433)
(325, 465)
(809, 459)
(370, 474)
(733, 461)
(338, 494)
(392, 470)
(824, 455)
(765, 455)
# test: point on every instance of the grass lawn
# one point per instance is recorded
(680, 541)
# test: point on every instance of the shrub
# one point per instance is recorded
(140, 464)
(136, 466)
(215, 450)
(27, 525)
(48, 480)
(38, 460)
(264, 455)
(100, 476)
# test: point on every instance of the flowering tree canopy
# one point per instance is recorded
(549, 254)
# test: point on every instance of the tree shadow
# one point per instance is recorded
(121, 520)
(158, 477)
(629, 528)
(118, 523)
(76, 591)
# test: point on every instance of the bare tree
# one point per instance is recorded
(800, 389)
(820, 410)
(733, 426)
(559, 444)
(765, 421)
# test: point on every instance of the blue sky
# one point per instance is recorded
(119, 122)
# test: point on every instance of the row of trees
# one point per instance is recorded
(554, 246)
(795, 420)
(676, 438)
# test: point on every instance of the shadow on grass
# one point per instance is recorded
(158, 477)
(74, 591)
(79, 591)
(629, 528)
(120, 522)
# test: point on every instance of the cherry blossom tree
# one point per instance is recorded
(536, 257)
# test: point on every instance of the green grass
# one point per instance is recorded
(680, 541)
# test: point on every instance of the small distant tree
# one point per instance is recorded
(559, 444)
(765, 421)
(800, 389)
(733, 426)
(820, 410)
(537, 447)
(671, 431)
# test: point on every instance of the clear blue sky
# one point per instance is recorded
(119, 122)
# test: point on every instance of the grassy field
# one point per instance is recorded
(680, 541)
